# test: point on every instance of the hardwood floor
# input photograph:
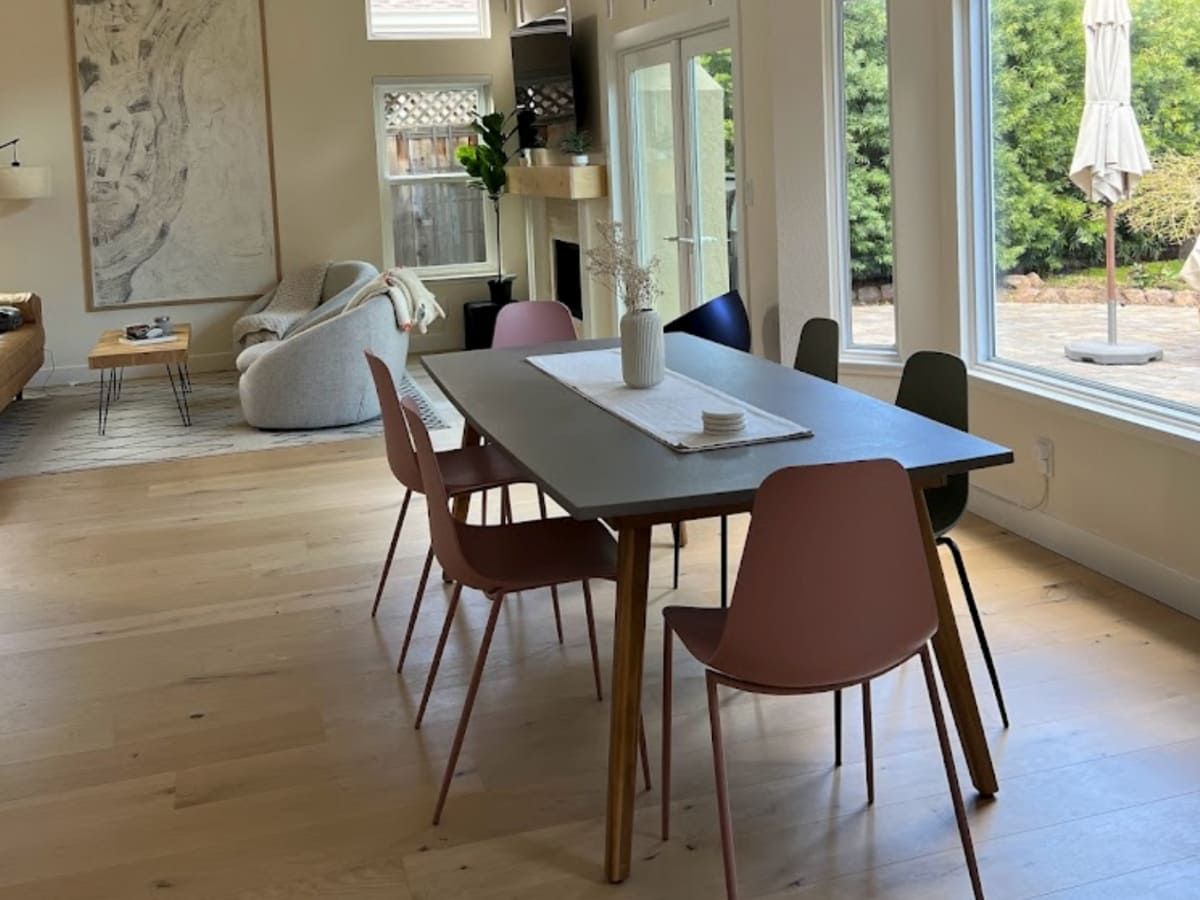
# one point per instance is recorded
(194, 703)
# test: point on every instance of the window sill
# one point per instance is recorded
(443, 275)
(1163, 425)
(871, 363)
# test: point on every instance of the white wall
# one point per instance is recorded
(320, 68)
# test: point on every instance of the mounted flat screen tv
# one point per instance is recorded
(545, 76)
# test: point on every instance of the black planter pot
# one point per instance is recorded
(501, 291)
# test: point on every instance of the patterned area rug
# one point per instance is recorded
(55, 430)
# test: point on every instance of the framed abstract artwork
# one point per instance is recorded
(175, 156)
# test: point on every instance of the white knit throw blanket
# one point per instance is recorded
(297, 295)
(413, 303)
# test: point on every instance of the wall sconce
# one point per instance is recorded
(18, 182)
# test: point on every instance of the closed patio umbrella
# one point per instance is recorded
(1110, 157)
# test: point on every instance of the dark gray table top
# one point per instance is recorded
(598, 466)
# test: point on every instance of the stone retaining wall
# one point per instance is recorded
(1031, 289)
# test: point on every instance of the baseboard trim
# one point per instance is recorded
(1148, 576)
(48, 376)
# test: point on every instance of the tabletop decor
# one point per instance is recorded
(174, 150)
(615, 263)
(576, 145)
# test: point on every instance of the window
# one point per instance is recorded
(869, 296)
(434, 219)
(1041, 281)
(419, 20)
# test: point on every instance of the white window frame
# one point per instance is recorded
(1178, 423)
(386, 179)
(433, 34)
(839, 242)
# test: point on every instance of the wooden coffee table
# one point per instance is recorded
(111, 355)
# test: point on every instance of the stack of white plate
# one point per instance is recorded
(731, 421)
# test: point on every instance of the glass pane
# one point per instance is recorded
(869, 172)
(1050, 246)
(438, 223)
(654, 164)
(417, 19)
(715, 205)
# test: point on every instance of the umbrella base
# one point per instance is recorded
(1102, 353)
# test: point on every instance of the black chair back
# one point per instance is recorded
(722, 320)
(820, 345)
(934, 385)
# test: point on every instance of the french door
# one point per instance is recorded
(681, 186)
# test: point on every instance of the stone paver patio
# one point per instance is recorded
(1036, 333)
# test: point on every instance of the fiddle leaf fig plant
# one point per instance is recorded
(486, 163)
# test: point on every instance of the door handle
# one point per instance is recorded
(679, 239)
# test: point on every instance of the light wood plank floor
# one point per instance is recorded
(194, 703)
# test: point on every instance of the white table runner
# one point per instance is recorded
(669, 412)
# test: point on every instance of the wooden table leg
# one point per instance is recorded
(956, 678)
(633, 578)
(461, 505)
(683, 534)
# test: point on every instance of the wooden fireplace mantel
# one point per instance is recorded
(559, 182)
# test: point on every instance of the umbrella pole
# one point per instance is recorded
(1110, 253)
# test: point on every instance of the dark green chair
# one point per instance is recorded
(934, 385)
(818, 350)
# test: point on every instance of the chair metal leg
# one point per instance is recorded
(644, 752)
(483, 510)
(714, 719)
(554, 589)
(668, 666)
(468, 704)
(960, 813)
(724, 562)
(506, 513)
(437, 654)
(676, 536)
(387, 563)
(837, 729)
(416, 610)
(960, 565)
(869, 742)
(591, 627)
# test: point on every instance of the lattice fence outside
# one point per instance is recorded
(423, 108)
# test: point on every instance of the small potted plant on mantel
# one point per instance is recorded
(576, 145)
(486, 163)
(643, 347)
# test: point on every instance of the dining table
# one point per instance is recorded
(598, 466)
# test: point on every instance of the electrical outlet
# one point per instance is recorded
(1043, 449)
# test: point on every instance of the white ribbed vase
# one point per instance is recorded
(643, 350)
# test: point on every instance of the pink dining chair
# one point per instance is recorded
(527, 324)
(810, 614)
(466, 471)
(500, 560)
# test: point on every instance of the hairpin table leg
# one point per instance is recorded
(181, 403)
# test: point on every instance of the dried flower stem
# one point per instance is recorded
(615, 263)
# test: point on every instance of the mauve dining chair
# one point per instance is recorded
(722, 320)
(465, 471)
(527, 324)
(501, 560)
(826, 600)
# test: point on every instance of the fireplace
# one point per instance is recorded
(568, 277)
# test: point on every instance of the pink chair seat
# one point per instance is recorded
(472, 469)
(539, 553)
